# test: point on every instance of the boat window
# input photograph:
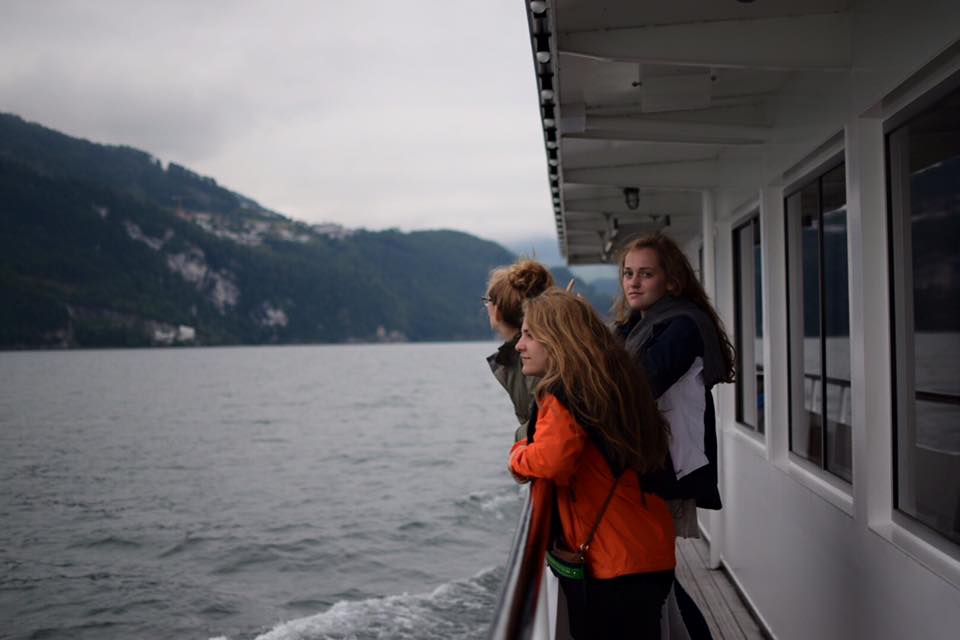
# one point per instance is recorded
(923, 159)
(819, 322)
(700, 264)
(748, 319)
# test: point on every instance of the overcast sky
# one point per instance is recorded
(412, 114)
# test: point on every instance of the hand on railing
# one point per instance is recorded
(517, 477)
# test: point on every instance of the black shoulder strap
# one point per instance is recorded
(603, 510)
(532, 422)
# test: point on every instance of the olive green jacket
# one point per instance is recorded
(505, 365)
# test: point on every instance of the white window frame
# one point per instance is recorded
(741, 321)
(871, 314)
(906, 530)
(835, 488)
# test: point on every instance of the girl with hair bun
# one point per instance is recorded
(507, 290)
(597, 437)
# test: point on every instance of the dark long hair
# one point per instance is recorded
(598, 380)
(685, 283)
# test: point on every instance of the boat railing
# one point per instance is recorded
(515, 615)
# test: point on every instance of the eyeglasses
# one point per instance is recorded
(486, 300)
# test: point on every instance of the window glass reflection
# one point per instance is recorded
(836, 325)
(924, 160)
(749, 323)
(818, 313)
(806, 429)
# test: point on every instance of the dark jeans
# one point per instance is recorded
(624, 607)
(693, 620)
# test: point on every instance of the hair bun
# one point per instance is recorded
(529, 278)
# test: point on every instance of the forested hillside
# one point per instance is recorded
(104, 246)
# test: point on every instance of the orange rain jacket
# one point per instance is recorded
(635, 535)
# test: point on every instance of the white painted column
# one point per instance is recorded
(869, 313)
(775, 352)
(708, 216)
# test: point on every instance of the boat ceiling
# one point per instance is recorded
(674, 98)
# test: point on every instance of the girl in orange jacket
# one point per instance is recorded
(597, 433)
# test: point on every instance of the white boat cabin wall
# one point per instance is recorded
(807, 157)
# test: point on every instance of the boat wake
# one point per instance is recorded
(459, 609)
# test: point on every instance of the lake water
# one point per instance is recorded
(281, 493)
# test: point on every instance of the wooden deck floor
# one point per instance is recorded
(714, 593)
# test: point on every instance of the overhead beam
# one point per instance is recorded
(744, 108)
(592, 231)
(659, 130)
(683, 175)
(586, 246)
(617, 205)
(794, 43)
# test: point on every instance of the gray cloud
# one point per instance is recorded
(406, 114)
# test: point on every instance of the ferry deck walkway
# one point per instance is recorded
(712, 590)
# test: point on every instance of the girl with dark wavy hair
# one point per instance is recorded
(674, 334)
(597, 434)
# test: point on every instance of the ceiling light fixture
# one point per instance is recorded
(548, 120)
(552, 139)
(543, 48)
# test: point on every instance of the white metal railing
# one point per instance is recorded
(516, 613)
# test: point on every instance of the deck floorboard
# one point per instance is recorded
(726, 613)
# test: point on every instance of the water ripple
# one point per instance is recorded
(199, 492)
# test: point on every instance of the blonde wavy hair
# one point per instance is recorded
(509, 286)
(601, 385)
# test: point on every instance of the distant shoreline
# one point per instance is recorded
(357, 343)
